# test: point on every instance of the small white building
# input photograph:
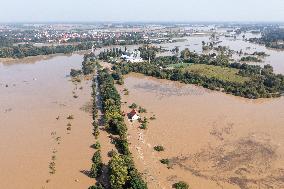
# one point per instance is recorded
(134, 57)
(133, 116)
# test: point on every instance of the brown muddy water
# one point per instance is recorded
(212, 140)
(33, 125)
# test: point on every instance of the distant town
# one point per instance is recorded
(21, 40)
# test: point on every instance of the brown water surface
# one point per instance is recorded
(37, 94)
(213, 140)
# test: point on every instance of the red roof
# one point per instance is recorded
(132, 113)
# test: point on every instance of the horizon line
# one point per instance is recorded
(141, 22)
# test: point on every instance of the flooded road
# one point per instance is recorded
(36, 99)
(212, 140)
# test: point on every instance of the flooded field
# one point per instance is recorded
(194, 43)
(212, 140)
(36, 148)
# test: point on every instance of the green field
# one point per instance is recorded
(218, 72)
(179, 65)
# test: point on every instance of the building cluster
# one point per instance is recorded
(117, 34)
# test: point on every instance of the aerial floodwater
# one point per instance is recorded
(201, 129)
(36, 98)
(145, 94)
(211, 140)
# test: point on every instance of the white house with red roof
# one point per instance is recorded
(133, 115)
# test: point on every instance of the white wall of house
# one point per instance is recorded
(135, 117)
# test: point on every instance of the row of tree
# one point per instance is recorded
(89, 63)
(114, 53)
(250, 59)
(123, 174)
(26, 50)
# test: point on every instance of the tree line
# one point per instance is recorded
(114, 53)
(21, 51)
(122, 171)
(123, 174)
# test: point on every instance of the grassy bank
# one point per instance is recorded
(221, 73)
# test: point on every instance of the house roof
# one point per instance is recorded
(132, 113)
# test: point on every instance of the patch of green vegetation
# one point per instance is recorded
(159, 148)
(221, 73)
(98, 186)
(179, 65)
(143, 126)
(133, 106)
(181, 185)
(260, 54)
(123, 173)
(126, 92)
(75, 73)
(96, 169)
(97, 145)
(96, 129)
(165, 161)
(142, 110)
(250, 59)
(88, 65)
(144, 123)
(122, 146)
